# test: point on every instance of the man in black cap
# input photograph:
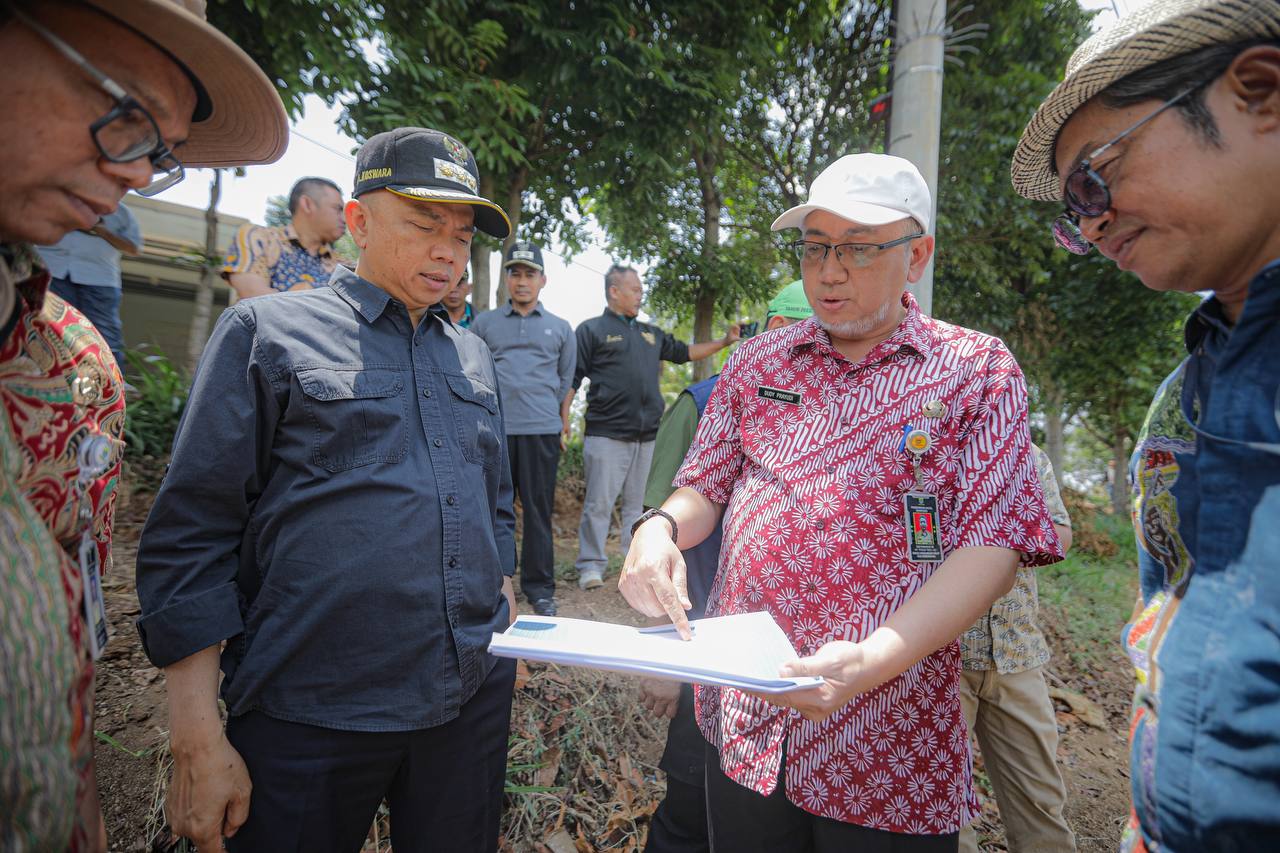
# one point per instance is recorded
(536, 352)
(338, 510)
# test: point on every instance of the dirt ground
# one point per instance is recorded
(132, 762)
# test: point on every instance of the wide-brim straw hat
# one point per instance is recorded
(241, 120)
(1156, 32)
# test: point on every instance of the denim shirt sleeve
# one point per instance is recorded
(504, 516)
(188, 553)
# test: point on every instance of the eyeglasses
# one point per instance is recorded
(128, 132)
(851, 255)
(1087, 194)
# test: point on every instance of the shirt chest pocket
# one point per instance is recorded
(475, 414)
(357, 416)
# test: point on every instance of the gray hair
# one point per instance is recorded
(612, 275)
(1165, 80)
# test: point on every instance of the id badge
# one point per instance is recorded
(95, 606)
(924, 534)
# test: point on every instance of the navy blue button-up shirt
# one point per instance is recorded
(338, 508)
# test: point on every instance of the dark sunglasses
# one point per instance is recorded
(1086, 193)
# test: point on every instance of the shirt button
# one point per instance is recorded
(453, 562)
(426, 392)
(437, 442)
(451, 500)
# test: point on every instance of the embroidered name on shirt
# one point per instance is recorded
(795, 398)
(612, 339)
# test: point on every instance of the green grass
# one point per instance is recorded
(1091, 590)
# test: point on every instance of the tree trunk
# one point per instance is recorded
(515, 204)
(1120, 482)
(1054, 438)
(706, 161)
(199, 333)
(480, 281)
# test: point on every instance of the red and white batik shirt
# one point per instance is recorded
(813, 478)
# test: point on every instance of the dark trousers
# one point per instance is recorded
(316, 790)
(534, 459)
(680, 823)
(102, 306)
(742, 821)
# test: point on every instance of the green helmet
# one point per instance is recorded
(790, 302)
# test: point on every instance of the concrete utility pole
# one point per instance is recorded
(915, 122)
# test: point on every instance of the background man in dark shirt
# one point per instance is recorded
(456, 303)
(338, 510)
(621, 355)
(535, 353)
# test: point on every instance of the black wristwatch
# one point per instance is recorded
(650, 513)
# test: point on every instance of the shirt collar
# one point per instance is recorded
(364, 296)
(1207, 319)
(510, 309)
(30, 276)
(915, 333)
(325, 250)
(609, 312)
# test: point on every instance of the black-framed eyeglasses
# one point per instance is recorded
(1086, 193)
(851, 255)
(128, 132)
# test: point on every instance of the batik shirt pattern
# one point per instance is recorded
(1007, 637)
(814, 534)
(278, 256)
(52, 351)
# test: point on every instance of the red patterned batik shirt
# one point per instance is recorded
(803, 447)
(60, 386)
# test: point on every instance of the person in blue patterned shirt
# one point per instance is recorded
(1164, 143)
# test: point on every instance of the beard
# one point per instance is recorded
(861, 327)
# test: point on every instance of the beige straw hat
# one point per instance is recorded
(240, 120)
(1158, 31)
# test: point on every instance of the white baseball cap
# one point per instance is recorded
(869, 189)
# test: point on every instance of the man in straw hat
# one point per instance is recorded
(338, 509)
(873, 468)
(1163, 144)
(102, 96)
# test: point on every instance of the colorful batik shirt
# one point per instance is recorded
(1007, 638)
(804, 448)
(60, 386)
(276, 254)
(1205, 642)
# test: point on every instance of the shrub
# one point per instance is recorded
(153, 411)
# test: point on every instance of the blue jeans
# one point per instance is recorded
(101, 304)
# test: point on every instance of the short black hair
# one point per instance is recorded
(1165, 80)
(308, 187)
(610, 277)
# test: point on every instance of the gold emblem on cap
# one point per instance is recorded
(457, 151)
(933, 409)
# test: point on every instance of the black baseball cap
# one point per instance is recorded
(524, 252)
(426, 165)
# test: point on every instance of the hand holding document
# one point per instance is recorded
(744, 651)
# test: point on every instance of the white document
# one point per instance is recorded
(743, 651)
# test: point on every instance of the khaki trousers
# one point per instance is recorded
(1013, 717)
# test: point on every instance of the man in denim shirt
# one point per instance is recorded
(1164, 142)
(338, 513)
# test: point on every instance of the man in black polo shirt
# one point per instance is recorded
(621, 355)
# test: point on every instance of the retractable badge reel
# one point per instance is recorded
(94, 459)
(920, 506)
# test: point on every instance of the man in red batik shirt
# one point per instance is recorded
(874, 471)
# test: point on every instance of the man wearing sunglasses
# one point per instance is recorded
(102, 96)
(1163, 143)
(874, 472)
